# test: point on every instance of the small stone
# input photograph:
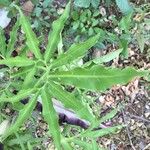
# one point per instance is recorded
(4, 126)
(102, 11)
(4, 21)
(139, 124)
(133, 127)
(60, 11)
(147, 107)
(1, 75)
(7, 110)
(132, 121)
(120, 120)
(101, 99)
(147, 114)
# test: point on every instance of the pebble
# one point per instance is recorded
(147, 114)
(4, 21)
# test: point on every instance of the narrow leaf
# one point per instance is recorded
(125, 23)
(95, 145)
(17, 61)
(98, 77)
(124, 46)
(124, 6)
(74, 52)
(140, 39)
(5, 3)
(65, 144)
(29, 79)
(4, 126)
(51, 117)
(30, 147)
(102, 132)
(21, 72)
(24, 114)
(20, 142)
(70, 101)
(83, 144)
(108, 116)
(32, 41)
(95, 3)
(54, 36)
(12, 40)
(21, 95)
(2, 42)
(108, 57)
(82, 3)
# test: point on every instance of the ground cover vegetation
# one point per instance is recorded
(74, 53)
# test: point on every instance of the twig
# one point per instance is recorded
(66, 115)
(139, 118)
(147, 146)
(127, 129)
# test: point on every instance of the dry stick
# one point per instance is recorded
(65, 115)
(147, 146)
(127, 129)
(139, 118)
(70, 116)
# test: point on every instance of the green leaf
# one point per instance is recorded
(24, 114)
(20, 142)
(70, 101)
(76, 25)
(82, 3)
(21, 95)
(51, 117)
(21, 72)
(90, 31)
(17, 61)
(29, 79)
(111, 37)
(32, 41)
(108, 116)
(102, 132)
(35, 1)
(83, 17)
(74, 52)
(75, 15)
(96, 77)
(54, 36)
(95, 145)
(30, 147)
(96, 13)
(23, 138)
(89, 13)
(65, 144)
(83, 144)
(140, 38)
(95, 22)
(5, 3)
(2, 42)
(46, 3)
(95, 3)
(124, 45)
(86, 3)
(125, 23)
(124, 6)
(108, 57)
(12, 40)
